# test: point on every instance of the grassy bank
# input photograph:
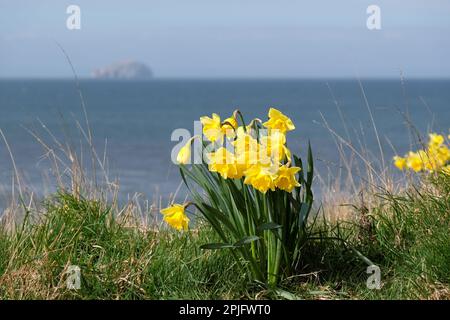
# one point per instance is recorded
(118, 259)
(406, 235)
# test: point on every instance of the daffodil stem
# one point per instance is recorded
(189, 203)
(271, 244)
(250, 224)
(229, 124)
(255, 125)
(276, 270)
(241, 117)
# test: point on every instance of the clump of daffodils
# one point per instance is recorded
(434, 158)
(248, 190)
(258, 152)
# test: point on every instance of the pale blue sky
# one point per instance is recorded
(232, 38)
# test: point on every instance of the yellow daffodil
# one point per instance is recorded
(261, 177)
(212, 127)
(249, 152)
(415, 160)
(274, 144)
(223, 162)
(244, 130)
(436, 140)
(184, 155)
(246, 145)
(229, 127)
(286, 178)
(287, 153)
(434, 158)
(400, 162)
(176, 217)
(248, 159)
(438, 153)
(444, 154)
(279, 121)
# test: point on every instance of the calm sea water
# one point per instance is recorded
(137, 119)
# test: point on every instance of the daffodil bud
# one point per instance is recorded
(184, 155)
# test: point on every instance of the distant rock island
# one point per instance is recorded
(125, 70)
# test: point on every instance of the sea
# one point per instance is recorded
(131, 122)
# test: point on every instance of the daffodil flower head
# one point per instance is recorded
(212, 128)
(274, 144)
(244, 130)
(436, 140)
(261, 177)
(400, 162)
(229, 127)
(247, 151)
(434, 159)
(278, 121)
(415, 160)
(223, 162)
(286, 179)
(176, 217)
(444, 154)
(245, 144)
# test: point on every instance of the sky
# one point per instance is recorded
(228, 38)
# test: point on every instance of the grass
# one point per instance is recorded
(117, 260)
(407, 236)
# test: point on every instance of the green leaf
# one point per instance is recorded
(310, 172)
(286, 294)
(298, 163)
(268, 226)
(216, 246)
(304, 213)
(183, 177)
(246, 240)
(215, 214)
